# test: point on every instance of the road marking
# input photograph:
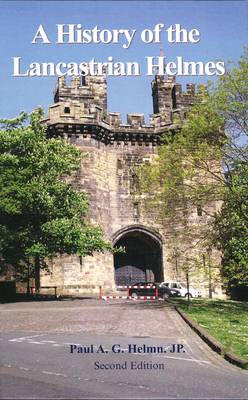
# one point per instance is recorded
(24, 338)
(48, 341)
(192, 352)
(185, 359)
(36, 342)
(89, 379)
(85, 379)
(54, 373)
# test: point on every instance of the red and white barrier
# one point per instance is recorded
(130, 297)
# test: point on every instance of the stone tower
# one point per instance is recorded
(80, 115)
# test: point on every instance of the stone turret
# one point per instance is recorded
(163, 94)
(86, 90)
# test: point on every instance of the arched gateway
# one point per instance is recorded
(142, 260)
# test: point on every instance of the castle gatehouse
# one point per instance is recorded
(114, 150)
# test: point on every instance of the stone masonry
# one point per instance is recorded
(80, 115)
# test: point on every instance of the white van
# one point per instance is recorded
(182, 289)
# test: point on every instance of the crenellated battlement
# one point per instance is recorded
(83, 103)
(86, 90)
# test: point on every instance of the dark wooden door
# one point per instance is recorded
(128, 275)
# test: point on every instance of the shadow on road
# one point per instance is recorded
(156, 305)
(24, 297)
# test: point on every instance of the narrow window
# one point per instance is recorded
(51, 267)
(134, 182)
(67, 110)
(174, 98)
(199, 211)
(136, 213)
(81, 263)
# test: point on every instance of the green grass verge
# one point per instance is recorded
(225, 320)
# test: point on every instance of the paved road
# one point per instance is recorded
(36, 358)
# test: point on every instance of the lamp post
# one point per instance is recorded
(210, 292)
(187, 280)
(28, 280)
(175, 255)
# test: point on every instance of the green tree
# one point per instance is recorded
(232, 228)
(196, 167)
(41, 213)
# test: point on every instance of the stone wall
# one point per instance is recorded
(107, 173)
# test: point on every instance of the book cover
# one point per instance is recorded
(123, 199)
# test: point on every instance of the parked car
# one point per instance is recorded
(182, 289)
(149, 289)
